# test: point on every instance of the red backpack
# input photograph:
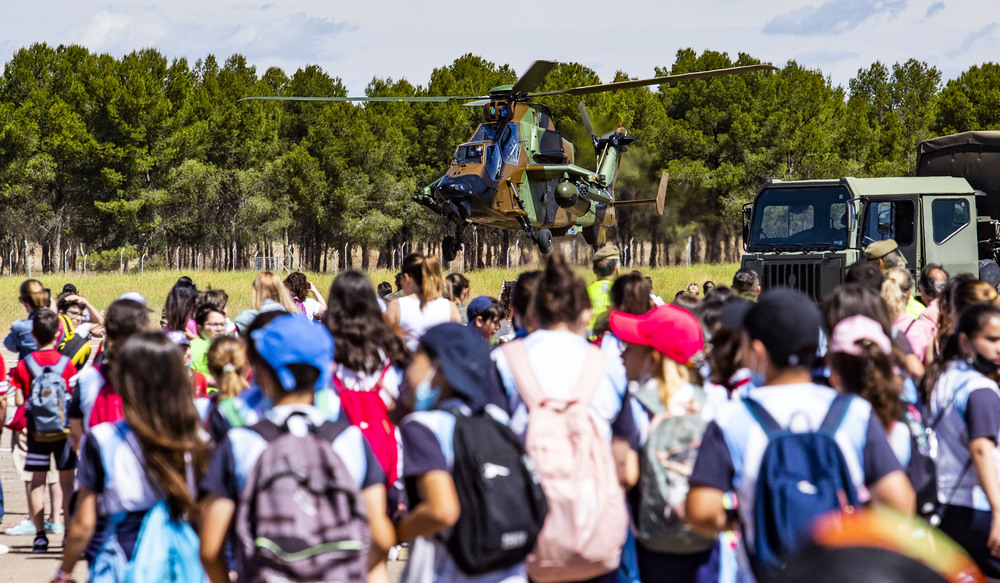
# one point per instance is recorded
(367, 411)
(101, 402)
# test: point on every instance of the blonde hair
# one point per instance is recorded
(268, 286)
(673, 376)
(228, 363)
(426, 272)
(896, 291)
(33, 293)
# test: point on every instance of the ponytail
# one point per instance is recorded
(561, 295)
(425, 271)
(228, 363)
(33, 293)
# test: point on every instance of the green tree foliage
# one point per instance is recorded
(99, 153)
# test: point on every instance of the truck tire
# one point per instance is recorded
(989, 271)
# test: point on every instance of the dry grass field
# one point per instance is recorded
(102, 289)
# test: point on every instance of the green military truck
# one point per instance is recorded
(805, 234)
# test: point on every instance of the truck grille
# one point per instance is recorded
(804, 277)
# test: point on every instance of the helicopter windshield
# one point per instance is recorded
(469, 154)
(493, 162)
(485, 132)
(510, 144)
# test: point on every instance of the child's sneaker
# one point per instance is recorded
(41, 544)
(53, 527)
(25, 528)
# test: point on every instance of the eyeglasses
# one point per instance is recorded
(214, 324)
(74, 314)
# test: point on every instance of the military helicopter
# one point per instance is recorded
(517, 172)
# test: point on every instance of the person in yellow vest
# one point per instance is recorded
(607, 265)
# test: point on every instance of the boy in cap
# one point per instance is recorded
(783, 328)
(296, 360)
(484, 316)
(606, 267)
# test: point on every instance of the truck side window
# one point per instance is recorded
(949, 217)
(891, 219)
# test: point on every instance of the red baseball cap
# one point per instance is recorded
(672, 331)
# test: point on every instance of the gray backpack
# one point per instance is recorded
(49, 399)
(299, 517)
(666, 463)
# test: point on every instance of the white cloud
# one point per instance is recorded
(831, 17)
(934, 8)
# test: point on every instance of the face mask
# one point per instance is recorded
(757, 378)
(425, 394)
(984, 365)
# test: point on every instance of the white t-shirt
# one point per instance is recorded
(414, 321)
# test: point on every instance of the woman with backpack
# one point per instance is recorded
(423, 304)
(179, 309)
(965, 414)
(368, 365)
(567, 399)
(155, 454)
(659, 348)
(475, 506)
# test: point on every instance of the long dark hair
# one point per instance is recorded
(180, 303)
(297, 285)
(361, 337)
(152, 380)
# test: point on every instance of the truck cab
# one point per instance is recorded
(805, 234)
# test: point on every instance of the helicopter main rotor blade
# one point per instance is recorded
(533, 77)
(411, 99)
(587, 89)
(586, 120)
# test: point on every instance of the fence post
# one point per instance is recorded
(198, 266)
(10, 262)
(234, 256)
(66, 262)
(177, 258)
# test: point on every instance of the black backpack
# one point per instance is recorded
(500, 493)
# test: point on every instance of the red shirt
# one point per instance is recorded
(199, 385)
(21, 378)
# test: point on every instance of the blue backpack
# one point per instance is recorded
(802, 477)
(166, 550)
(49, 399)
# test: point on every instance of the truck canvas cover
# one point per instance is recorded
(974, 156)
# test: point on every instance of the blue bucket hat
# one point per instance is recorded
(477, 306)
(463, 357)
(293, 339)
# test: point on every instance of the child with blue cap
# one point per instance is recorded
(295, 361)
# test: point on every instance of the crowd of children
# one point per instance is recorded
(602, 436)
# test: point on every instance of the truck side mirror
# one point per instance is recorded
(747, 214)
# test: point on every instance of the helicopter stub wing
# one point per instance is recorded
(619, 85)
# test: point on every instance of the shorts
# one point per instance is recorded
(40, 453)
(19, 453)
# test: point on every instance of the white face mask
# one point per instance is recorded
(425, 394)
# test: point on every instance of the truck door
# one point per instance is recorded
(892, 219)
(949, 234)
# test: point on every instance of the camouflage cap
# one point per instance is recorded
(880, 249)
(607, 252)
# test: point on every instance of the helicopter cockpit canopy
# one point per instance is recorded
(469, 154)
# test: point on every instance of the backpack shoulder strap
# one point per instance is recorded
(527, 383)
(835, 416)
(331, 430)
(267, 429)
(61, 365)
(594, 366)
(33, 367)
(650, 400)
(770, 426)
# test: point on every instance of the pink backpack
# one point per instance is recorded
(587, 522)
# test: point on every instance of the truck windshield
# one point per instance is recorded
(800, 218)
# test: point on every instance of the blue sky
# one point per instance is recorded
(390, 38)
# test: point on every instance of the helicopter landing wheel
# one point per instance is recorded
(449, 250)
(544, 241)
